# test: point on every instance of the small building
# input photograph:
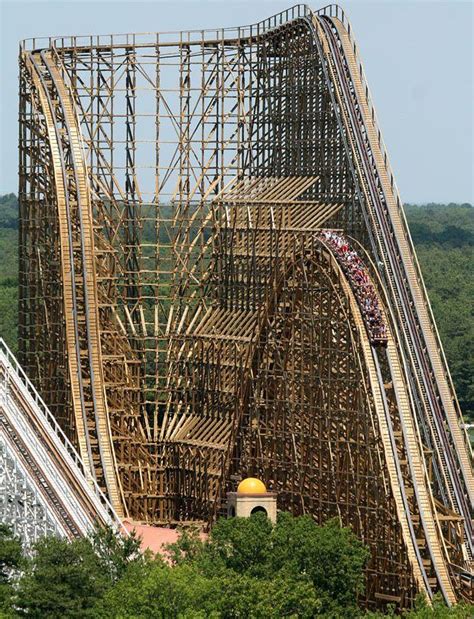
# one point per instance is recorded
(252, 497)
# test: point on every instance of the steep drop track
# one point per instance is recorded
(425, 351)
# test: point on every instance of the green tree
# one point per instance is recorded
(185, 590)
(116, 552)
(11, 559)
(62, 579)
(247, 568)
(69, 578)
(155, 589)
(326, 562)
(439, 610)
(243, 545)
(9, 211)
(331, 556)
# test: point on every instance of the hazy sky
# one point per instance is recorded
(418, 58)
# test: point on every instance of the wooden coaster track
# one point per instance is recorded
(453, 448)
(192, 207)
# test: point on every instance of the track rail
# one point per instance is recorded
(413, 279)
(401, 280)
(370, 356)
(67, 260)
(51, 462)
(79, 286)
(413, 447)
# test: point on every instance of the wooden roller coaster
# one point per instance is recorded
(217, 280)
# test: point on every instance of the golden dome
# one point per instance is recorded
(251, 485)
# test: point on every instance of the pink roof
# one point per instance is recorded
(154, 538)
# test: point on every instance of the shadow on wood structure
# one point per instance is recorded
(217, 280)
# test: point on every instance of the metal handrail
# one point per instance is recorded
(140, 39)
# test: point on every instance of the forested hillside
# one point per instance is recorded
(444, 238)
(9, 269)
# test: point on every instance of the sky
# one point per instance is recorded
(417, 54)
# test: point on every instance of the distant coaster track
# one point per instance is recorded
(49, 461)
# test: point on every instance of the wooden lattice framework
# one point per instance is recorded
(187, 312)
